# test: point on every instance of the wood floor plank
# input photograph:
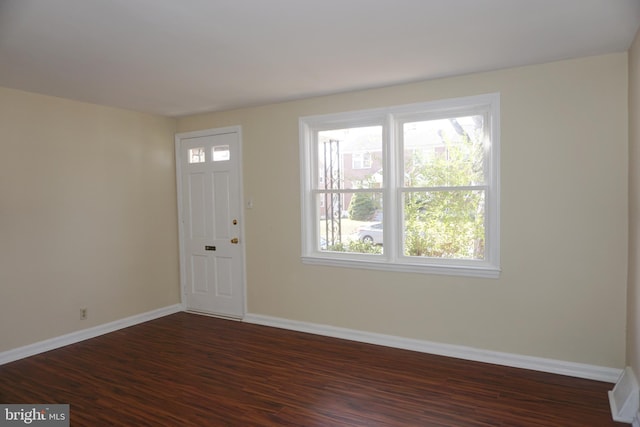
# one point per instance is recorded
(190, 370)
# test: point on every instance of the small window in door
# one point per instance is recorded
(221, 153)
(196, 155)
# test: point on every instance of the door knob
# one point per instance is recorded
(234, 240)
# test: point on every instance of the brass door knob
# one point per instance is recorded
(234, 240)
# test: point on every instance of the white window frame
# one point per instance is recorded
(391, 120)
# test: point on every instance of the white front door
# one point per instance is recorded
(211, 254)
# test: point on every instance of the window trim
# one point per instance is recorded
(391, 119)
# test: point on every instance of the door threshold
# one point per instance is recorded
(219, 316)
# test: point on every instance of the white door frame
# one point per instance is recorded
(183, 274)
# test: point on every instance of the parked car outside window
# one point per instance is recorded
(371, 233)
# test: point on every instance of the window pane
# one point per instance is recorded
(361, 161)
(350, 158)
(221, 153)
(444, 224)
(196, 155)
(350, 222)
(444, 152)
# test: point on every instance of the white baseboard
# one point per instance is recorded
(579, 370)
(74, 337)
(624, 399)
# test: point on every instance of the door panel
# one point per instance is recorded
(211, 206)
(196, 209)
(199, 274)
(221, 201)
(224, 272)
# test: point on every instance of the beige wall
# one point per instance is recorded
(87, 216)
(562, 292)
(633, 302)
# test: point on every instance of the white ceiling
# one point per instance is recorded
(176, 57)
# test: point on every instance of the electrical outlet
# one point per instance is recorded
(83, 314)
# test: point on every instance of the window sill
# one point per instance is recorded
(481, 271)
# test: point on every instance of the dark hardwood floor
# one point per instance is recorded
(190, 370)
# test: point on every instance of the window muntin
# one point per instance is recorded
(431, 190)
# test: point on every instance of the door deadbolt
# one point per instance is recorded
(234, 240)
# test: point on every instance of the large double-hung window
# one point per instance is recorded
(427, 200)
